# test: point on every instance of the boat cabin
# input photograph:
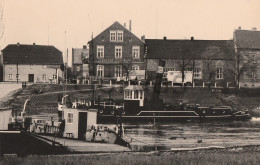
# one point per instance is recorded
(135, 93)
(77, 122)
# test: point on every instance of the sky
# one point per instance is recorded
(70, 23)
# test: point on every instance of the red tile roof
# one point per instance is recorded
(32, 54)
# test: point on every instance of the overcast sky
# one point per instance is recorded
(45, 21)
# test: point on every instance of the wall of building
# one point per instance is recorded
(109, 60)
(208, 68)
(36, 70)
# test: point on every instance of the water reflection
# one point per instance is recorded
(187, 135)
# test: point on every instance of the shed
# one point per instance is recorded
(77, 122)
(5, 114)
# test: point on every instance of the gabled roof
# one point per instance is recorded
(78, 54)
(32, 54)
(116, 26)
(193, 49)
(247, 39)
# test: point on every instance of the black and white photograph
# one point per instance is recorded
(129, 82)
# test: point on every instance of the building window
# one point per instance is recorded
(10, 76)
(54, 77)
(44, 77)
(10, 66)
(118, 71)
(100, 70)
(135, 51)
(120, 36)
(219, 73)
(118, 52)
(169, 69)
(70, 118)
(31, 66)
(197, 73)
(116, 35)
(17, 76)
(44, 66)
(100, 51)
(112, 35)
(135, 67)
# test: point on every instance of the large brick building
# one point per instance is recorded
(115, 52)
(31, 63)
(207, 59)
(247, 48)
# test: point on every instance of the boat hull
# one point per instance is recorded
(173, 118)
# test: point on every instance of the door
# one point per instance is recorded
(82, 127)
(31, 78)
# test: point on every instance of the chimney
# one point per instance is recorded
(239, 27)
(164, 38)
(143, 37)
(125, 25)
(192, 38)
(254, 28)
(84, 46)
(130, 25)
(18, 43)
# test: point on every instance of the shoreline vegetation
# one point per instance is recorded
(235, 155)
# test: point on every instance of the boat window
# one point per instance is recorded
(141, 94)
(70, 118)
(135, 94)
(128, 94)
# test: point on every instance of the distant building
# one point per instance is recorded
(80, 58)
(31, 63)
(115, 52)
(247, 48)
(207, 59)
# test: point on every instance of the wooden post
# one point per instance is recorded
(154, 131)
(172, 83)
(151, 83)
(203, 84)
(193, 85)
(110, 82)
(227, 84)
(215, 85)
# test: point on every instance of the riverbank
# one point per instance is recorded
(44, 97)
(235, 155)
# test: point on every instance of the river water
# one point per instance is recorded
(165, 136)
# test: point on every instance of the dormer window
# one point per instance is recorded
(116, 35)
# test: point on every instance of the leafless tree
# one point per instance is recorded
(244, 65)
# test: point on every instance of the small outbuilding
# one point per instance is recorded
(77, 122)
(5, 114)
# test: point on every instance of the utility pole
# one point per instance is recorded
(17, 73)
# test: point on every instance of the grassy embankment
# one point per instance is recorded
(44, 97)
(166, 158)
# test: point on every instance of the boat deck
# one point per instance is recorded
(83, 146)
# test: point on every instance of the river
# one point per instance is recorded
(164, 136)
